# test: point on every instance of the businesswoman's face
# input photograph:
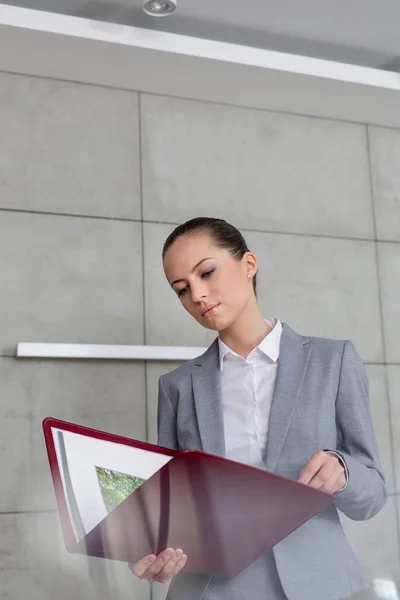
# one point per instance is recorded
(212, 286)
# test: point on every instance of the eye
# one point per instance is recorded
(183, 291)
(208, 273)
(205, 275)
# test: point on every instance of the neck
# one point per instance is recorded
(247, 332)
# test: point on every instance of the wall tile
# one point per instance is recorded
(35, 565)
(321, 287)
(67, 279)
(375, 543)
(258, 169)
(389, 271)
(385, 159)
(394, 397)
(68, 148)
(107, 396)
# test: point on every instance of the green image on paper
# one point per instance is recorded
(116, 486)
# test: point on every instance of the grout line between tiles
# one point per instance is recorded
(175, 223)
(143, 260)
(28, 512)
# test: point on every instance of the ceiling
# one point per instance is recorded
(361, 32)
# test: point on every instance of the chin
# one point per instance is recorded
(210, 325)
(218, 324)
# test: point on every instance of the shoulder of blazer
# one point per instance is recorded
(317, 343)
(186, 369)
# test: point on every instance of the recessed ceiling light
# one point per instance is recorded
(159, 8)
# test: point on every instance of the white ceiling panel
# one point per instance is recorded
(363, 32)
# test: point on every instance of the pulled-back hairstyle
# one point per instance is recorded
(223, 234)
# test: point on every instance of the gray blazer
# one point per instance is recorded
(320, 401)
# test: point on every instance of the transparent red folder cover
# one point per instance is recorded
(223, 514)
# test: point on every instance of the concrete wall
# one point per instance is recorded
(92, 180)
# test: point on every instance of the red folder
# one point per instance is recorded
(223, 514)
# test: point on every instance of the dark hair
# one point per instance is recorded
(223, 234)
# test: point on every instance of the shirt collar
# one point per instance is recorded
(269, 345)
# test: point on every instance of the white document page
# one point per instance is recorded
(79, 455)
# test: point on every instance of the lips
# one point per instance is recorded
(209, 310)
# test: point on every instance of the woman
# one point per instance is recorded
(266, 396)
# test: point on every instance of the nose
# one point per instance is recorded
(199, 291)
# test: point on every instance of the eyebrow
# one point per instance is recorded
(192, 271)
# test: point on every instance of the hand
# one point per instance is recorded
(160, 568)
(324, 472)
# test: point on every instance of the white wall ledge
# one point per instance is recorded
(106, 351)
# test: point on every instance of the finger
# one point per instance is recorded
(179, 566)
(166, 559)
(313, 466)
(324, 476)
(328, 481)
(172, 567)
(336, 482)
(167, 568)
(329, 476)
(142, 565)
(161, 560)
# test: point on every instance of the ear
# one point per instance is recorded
(250, 263)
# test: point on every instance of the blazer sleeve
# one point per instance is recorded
(365, 493)
(166, 419)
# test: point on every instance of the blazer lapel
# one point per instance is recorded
(294, 356)
(206, 381)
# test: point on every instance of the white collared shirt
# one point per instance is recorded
(247, 388)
